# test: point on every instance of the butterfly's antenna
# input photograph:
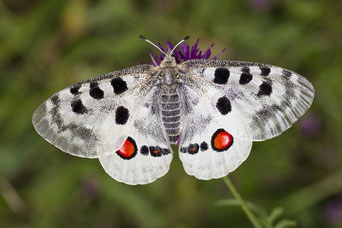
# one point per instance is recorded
(152, 44)
(187, 37)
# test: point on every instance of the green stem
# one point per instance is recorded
(243, 205)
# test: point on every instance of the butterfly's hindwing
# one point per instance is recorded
(144, 153)
(209, 148)
(214, 156)
(138, 151)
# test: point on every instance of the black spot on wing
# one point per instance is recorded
(223, 105)
(287, 73)
(78, 107)
(144, 150)
(245, 78)
(245, 69)
(221, 76)
(118, 85)
(58, 120)
(265, 71)
(193, 148)
(183, 149)
(75, 89)
(165, 151)
(155, 151)
(95, 92)
(93, 84)
(265, 89)
(204, 146)
(55, 100)
(121, 115)
(55, 112)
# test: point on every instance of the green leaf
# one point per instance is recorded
(286, 223)
(275, 214)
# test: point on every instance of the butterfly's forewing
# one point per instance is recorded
(72, 118)
(229, 105)
(107, 118)
(269, 98)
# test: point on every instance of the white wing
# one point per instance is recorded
(269, 98)
(230, 104)
(208, 148)
(111, 118)
(144, 153)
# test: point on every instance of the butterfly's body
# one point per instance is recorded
(213, 109)
(171, 112)
(169, 102)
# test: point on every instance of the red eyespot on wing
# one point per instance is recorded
(155, 151)
(128, 150)
(193, 148)
(221, 140)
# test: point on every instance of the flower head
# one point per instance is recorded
(185, 53)
(310, 125)
(333, 212)
(261, 4)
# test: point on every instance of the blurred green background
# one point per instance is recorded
(48, 45)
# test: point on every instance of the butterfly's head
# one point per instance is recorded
(169, 60)
(168, 77)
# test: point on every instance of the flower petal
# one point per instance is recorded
(184, 53)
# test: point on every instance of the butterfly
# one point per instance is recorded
(212, 109)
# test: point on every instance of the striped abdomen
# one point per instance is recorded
(171, 112)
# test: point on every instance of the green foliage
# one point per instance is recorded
(271, 220)
(47, 45)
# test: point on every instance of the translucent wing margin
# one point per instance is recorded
(269, 98)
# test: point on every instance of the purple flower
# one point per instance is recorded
(333, 212)
(90, 188)
(184, 53)
(310, 125)
(260, 4)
